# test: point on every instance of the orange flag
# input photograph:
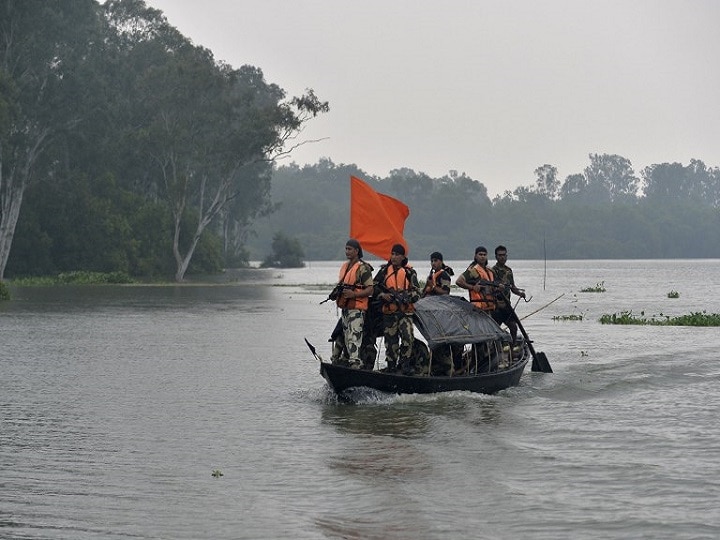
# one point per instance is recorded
(377, 221)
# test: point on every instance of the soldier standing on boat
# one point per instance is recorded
(438, 282)
(352, 293)
(396, 286)
(504, 275)
(478, 279)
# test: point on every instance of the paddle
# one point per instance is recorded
(313, 351)
(540, 361)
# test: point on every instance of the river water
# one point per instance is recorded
(117, 403)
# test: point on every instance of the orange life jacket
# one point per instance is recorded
(397, 280)
(433, 280)
(349, 277)
(485, 299)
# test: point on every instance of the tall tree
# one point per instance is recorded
(43, 47)
(204, 126)
(547, 183)
(613, 176)
(574, 186)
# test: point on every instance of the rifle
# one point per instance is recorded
(503, 288)
(399, 298)
(337, 291)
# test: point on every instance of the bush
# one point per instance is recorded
(287, 253)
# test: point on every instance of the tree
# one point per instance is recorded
(612, 176)
(43, 49)
(205, 127)
(547, 183)
(574, 186)
(286, 253)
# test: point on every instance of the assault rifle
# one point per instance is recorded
(337, 291)
(400, 298)
(502, 288)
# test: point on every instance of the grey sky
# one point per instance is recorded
(492, 89)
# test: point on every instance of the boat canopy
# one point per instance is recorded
(452, 319)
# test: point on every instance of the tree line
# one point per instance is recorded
(126, 148)
(606, 211)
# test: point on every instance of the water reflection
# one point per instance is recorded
(399, 421)
(79, 299)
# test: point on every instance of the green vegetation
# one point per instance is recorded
(599, 287)
(693, 319)
(126, 147)
(77, 278)
(286, 253)
(673, 294)
(4, 291)
(572, 317)
(572, 223)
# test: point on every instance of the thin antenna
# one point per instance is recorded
(544, 263)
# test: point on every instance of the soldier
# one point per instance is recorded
(353, 289)
(438, 282)
(504, 275)
(396, 286)
(478, 279)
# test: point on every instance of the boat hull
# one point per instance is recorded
(342, 378)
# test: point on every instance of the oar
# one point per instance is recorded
(540, 361)
(313, 351)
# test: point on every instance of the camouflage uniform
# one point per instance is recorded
(442, 355)
(347, 349)
(503, 310)
(398, 326)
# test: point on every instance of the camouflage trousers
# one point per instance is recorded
(352, 323)
(397, 327)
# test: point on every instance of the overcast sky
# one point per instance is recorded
(493, 89)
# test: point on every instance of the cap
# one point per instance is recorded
(399, 249)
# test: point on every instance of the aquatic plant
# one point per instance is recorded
(4, 291)
(692, 319)
(572, 317)
(599, 287)
(673, 294)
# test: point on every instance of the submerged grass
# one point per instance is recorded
(599, 287)
(692, 319)
(572, 317)
(80, 277)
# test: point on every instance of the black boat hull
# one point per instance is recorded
(341, 378)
